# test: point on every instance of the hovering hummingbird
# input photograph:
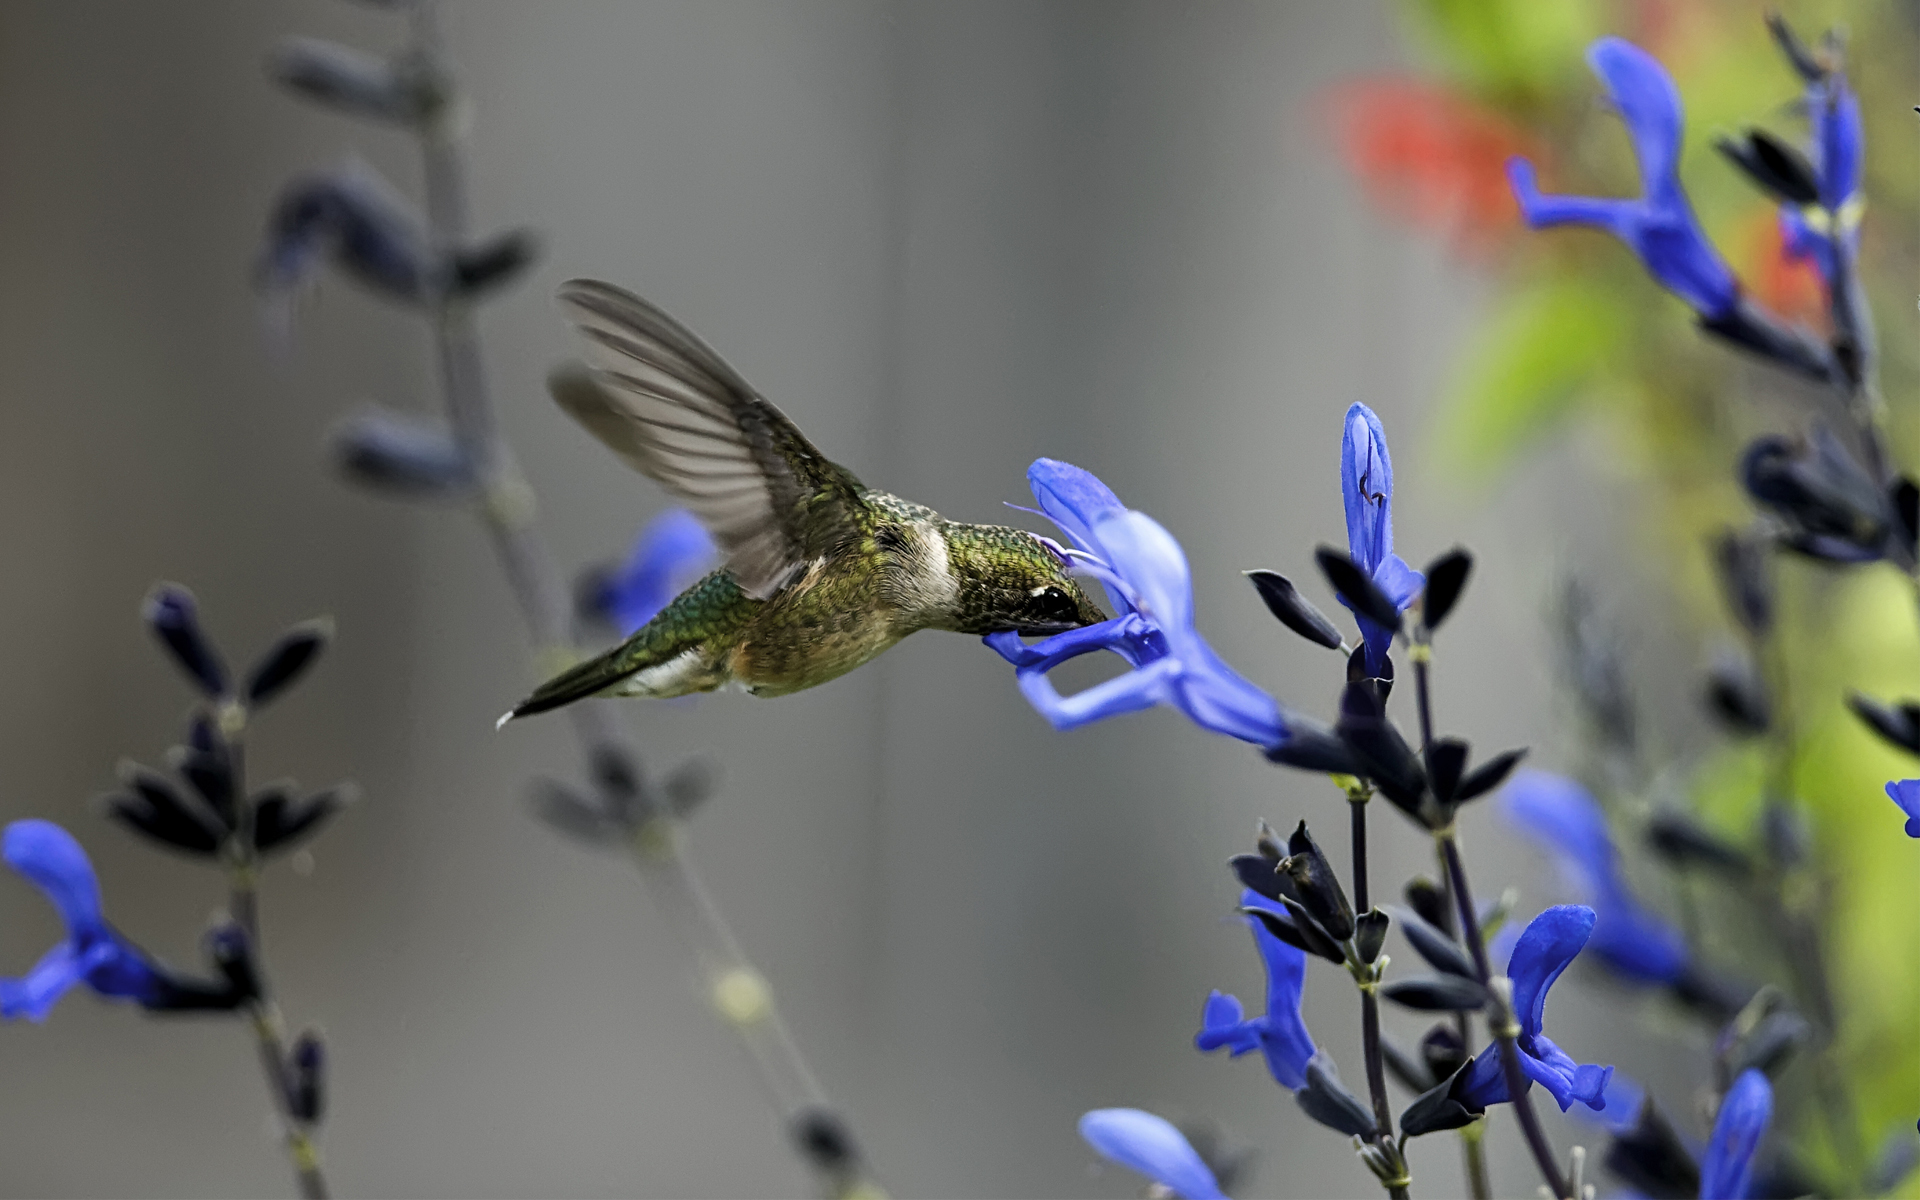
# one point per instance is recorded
(820, 573)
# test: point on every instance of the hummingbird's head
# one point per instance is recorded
(1011, 579)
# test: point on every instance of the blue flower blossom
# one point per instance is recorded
(1140, 1141)
(1906, 793)
(1550, 942)
(1745, 1113)
(1659, 225)
(1147, 579)
(672, 552)
(93, 952)
(1838, 155)
(1561, 814)
(1366, 488)
(1279, 1033)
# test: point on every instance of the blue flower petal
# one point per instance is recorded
(92, 952)
(1906, 793)
(1142, 1142)
(1545, 949)
(1649, 106)
(1224, 1025)
(1366, 488)
(1745, 1113)
(53, 861)
(672, 552)
(1288, 1045)
(1074, 498)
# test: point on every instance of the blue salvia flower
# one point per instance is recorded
(1745, 1113)
(1906, 793)
(1548, 945)
(1838, 156)
(1658, 225)
(1140, 1141)
(1366, 489)
(1561, 814)
(672, 552)
(1147, 579)
(93, 952)
(1279, 1033)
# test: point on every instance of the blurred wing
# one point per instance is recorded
(664, 401)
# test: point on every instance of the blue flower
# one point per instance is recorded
(673, 551)
(1906, 793)
(1838, 154)
(1140, 1141)
(1147, 580)
(1279, 1033)
(1630, 939)
(1745, 1113)
(93, 952)
(1550, 942)
(1659, 225)
(1366, 488)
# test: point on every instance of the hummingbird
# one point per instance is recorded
(819, 574)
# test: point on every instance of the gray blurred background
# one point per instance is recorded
(946, 238)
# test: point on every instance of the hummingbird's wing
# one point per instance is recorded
(664, 401)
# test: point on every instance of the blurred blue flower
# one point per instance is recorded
(1140, 1141)
(1146, 578)
(1279, 1032)
(1550, 942)
(1561, 814)
(1745, 1113)
(671, 553)
(93, 952)
(1906, 793)
(1366, 488)
(1659, 225)
(1838, 154)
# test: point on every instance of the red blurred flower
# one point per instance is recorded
(1789, 286)
(1431, 156)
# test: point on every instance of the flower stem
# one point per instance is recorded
(505, 505)
(1370, 1002)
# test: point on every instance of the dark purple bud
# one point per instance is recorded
(1737, 695)
(1258, 873)
(401, 454)
(288, 659)
(307, 1079)
(1385, 756)
(1684, 842)
(1295, 611)
(1327, 1100)
(1773, 166)
(1441, 1108)
(349, 80)
(1436, 993)
(494, 262)
(1369, 934)
(1434, 944)
(1442, 1051)
(1318, 888)
(1410, 1071)
(170, 611)
(1488, 775)
(1831, 505)
(210, 774)
(1268, 843)
(172, 993)
(575, 815)
(1898, 725)
(1745, 566)
(1904, 542)
(351, 217)
(280, 823)
(1424, 897)
(1446, 762)
(1446, 579)
(1802, 58)
(1792, 347)
(1311, 746)
(1298, 929)
(1381, 685)
(1357, 587)
(824, 1140)
(1764, 1045)
(159, 812)
(232, 953)
(1651, 1158)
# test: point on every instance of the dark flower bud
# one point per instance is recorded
(155, 810)
(350, 80)
(1446, 762)
(1410, 1071)
(1774, 167)
(1442, 1108)
(1380, 686)
(1830, 504)
(1764, 1044)
(1327, 1100)
(1793, 347)
(397, 453)
(232, 954)
(1805, 64)
(170, 611)
(1488, 775)
(1904, 541)
(280, 823)
(1311, 746)
(210, 774)
(352, 217)
(1651, 1158)
(1369, 933)
(1295, 611)
(1298, 929)
(824, 1140)
(495, 262)
(1446, 579)
(1684, 842)
(575, 815)
(1258, 873)
(1319, 889)
(1434, 944)
(1745, 567)
(307, 1078)
(1442, 1051)
(1426, 898)
(288, 659)
(1899, 725)
(1357, 588)
(1436, 993)
(1737, 694)
(1388, 761)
